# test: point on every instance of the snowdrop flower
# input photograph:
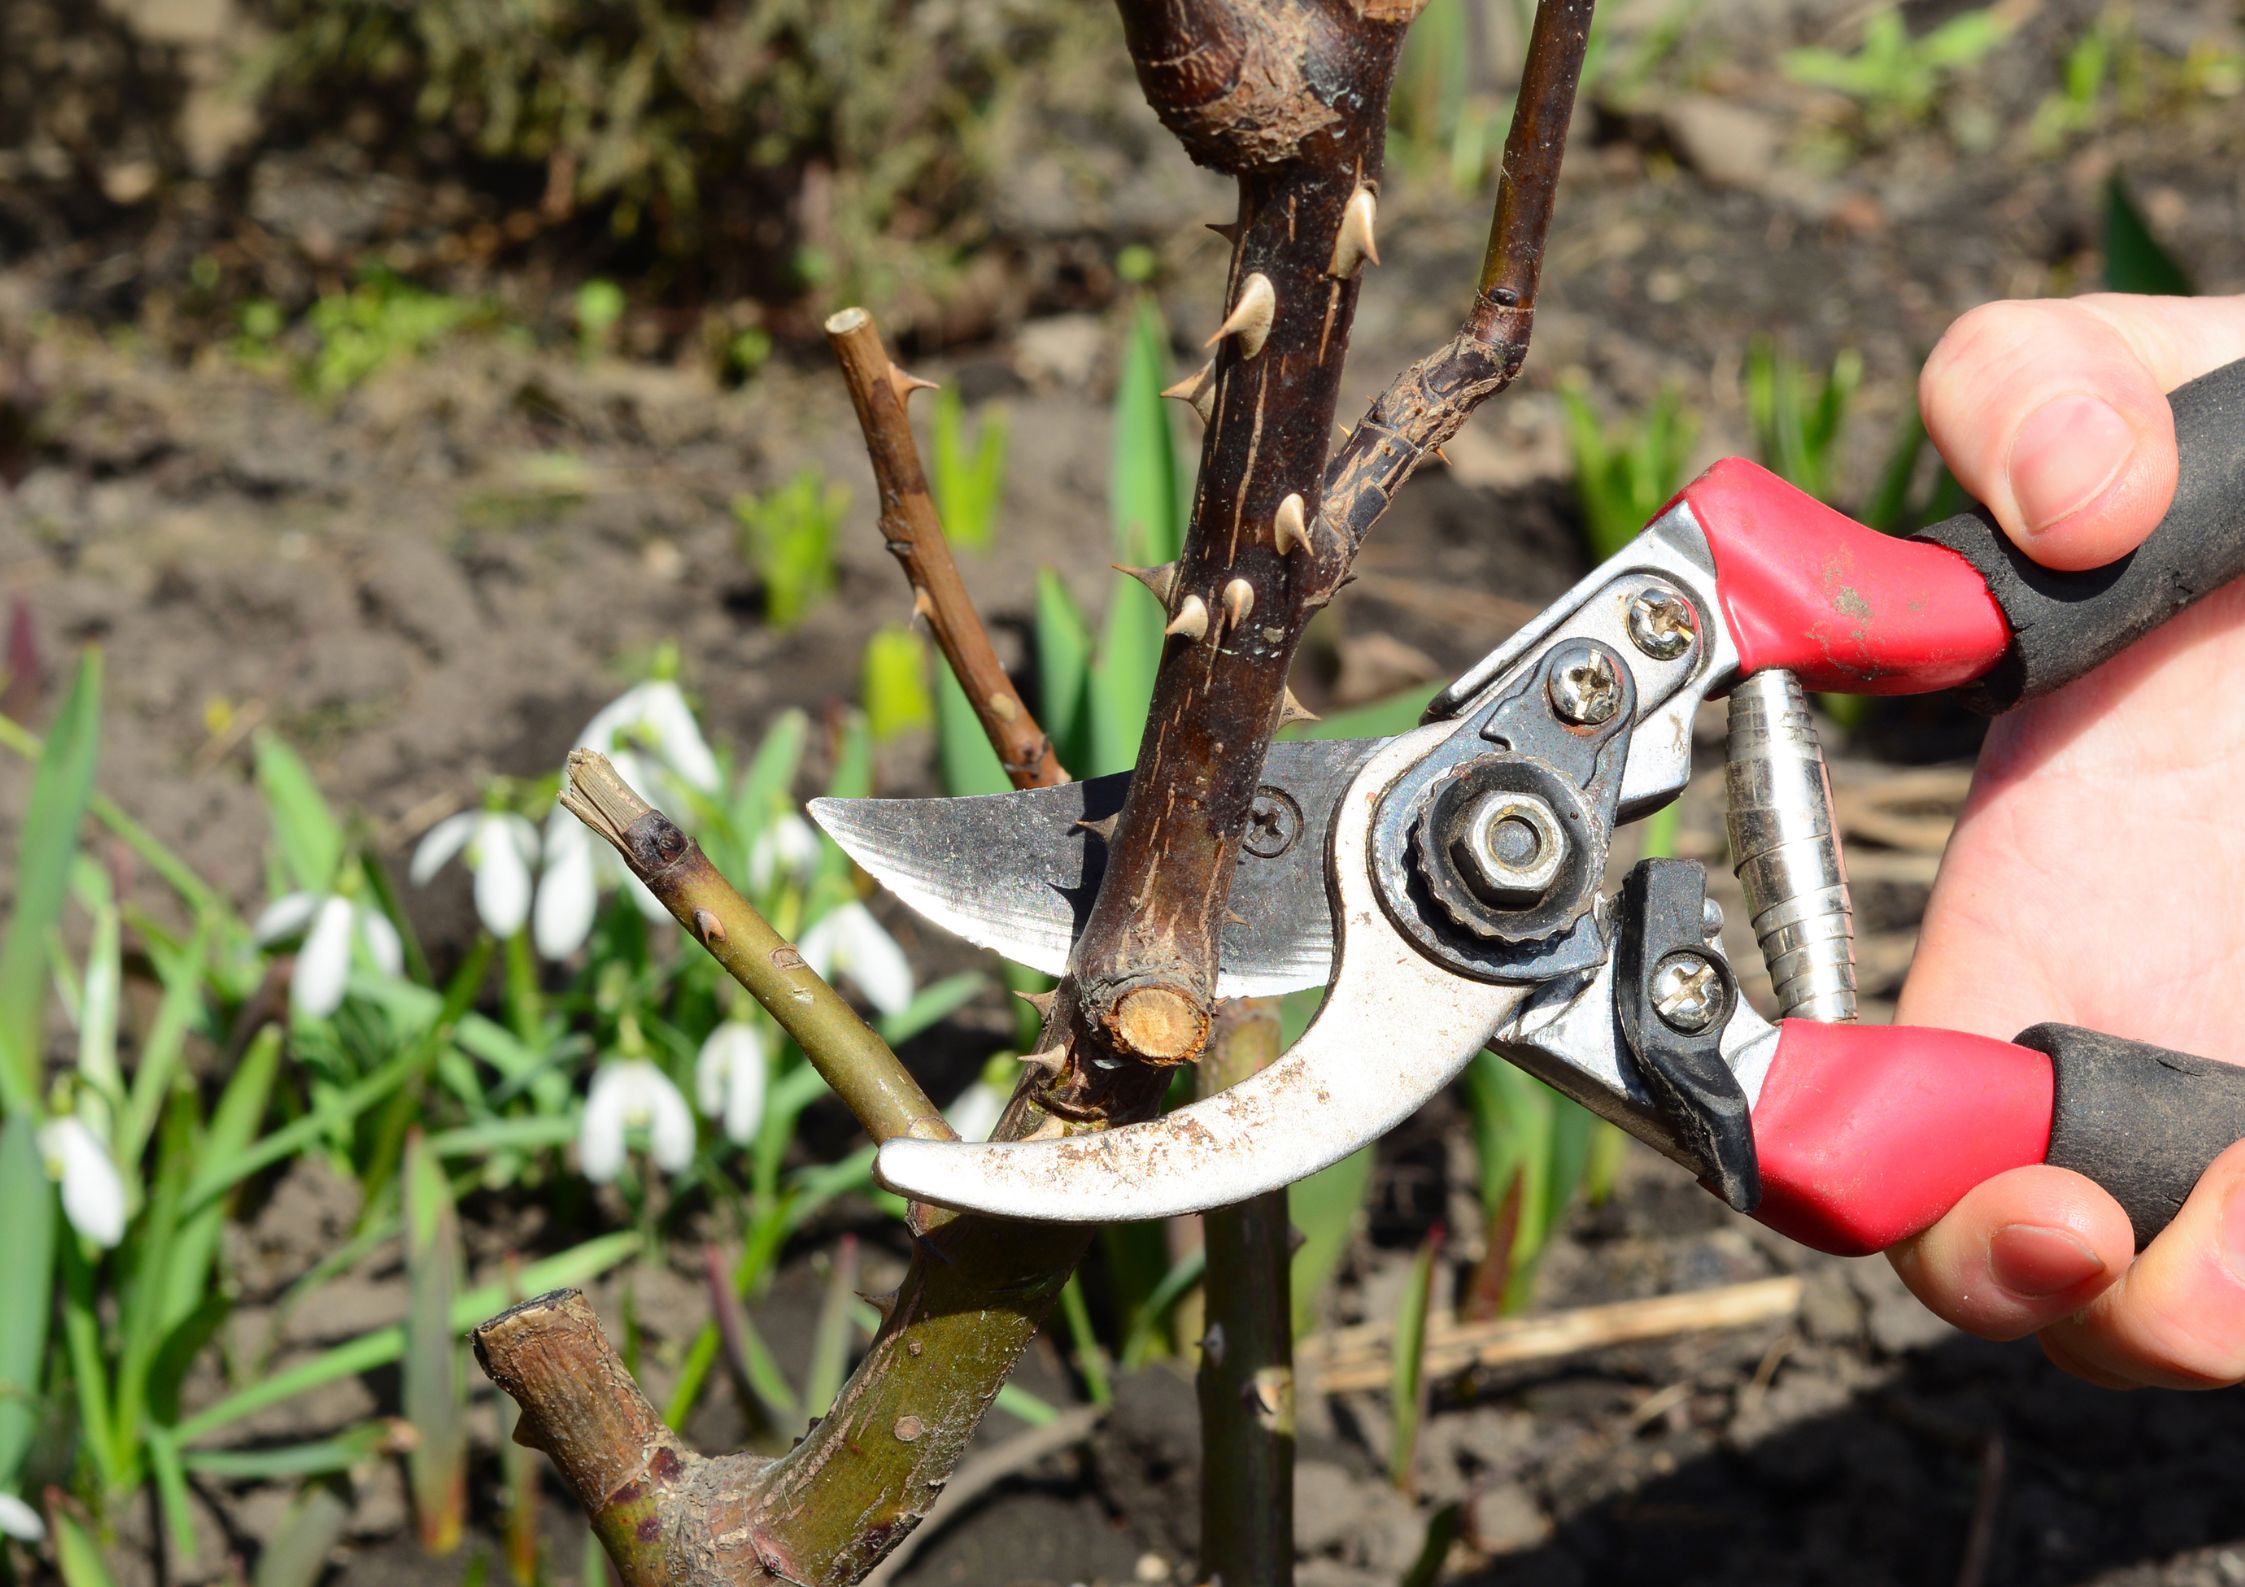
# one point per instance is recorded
(500, 848)
(653, 719)
(975, 1112)
(579, 868)
(19, 1521)
(568, 889)
(788, 846)
(93, 1194)
(329, 924)
(729, 1079)
(850, 942)
(629, 1093)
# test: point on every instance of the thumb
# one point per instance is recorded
(2176, 1318)
(2055, 413)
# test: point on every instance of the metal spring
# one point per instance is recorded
(1785, 848)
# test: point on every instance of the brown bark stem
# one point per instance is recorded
(633, 1475)
(914, 532)
(1143, 978)
(1247, 1353)
(1429, 402)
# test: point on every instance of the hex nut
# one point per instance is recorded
(1510, 848)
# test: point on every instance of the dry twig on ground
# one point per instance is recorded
(1358, 1358)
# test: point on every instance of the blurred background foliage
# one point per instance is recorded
(783, 136)
(718, 151)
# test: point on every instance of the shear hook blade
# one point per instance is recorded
(1395, 1029)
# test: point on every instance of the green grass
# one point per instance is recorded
(787, 537)
(1625, 472)
(1895, 77)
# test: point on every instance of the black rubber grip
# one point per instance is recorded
(2063, 624)
(2141, 1121)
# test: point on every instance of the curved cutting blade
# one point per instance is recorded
(1395, 1030)
(1016, 872)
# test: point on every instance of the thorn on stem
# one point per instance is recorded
(1198, 391)
(1353, 247)
(1051, 1060)
(904, 384)
(1191, 620)
(1289, 526)
(1040, 1001)
(1291, 710)
(1251, 317)
(709, 928)
(1103, 829)
(1239, 600)
(1162, 581)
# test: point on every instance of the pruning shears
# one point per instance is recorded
(1446, 886)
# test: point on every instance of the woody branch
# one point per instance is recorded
(914, 534)
(1275, 523)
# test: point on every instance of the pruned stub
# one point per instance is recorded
(1160, 1025)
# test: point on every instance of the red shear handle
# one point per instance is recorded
(1849, 609)
(1866, 1134)
(1845, 607)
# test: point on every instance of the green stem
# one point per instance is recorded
(855, 1062)
(1247, 1353)
(525, 1001)
(1090, 1359)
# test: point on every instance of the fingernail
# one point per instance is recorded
(2233, 1231)
(2064, 456)
(2033, 1261)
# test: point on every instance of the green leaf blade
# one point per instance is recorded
(46, 851)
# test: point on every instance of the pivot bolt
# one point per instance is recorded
(1688, 992)
(1661, 624)
(1584, 689)
(1510, 849)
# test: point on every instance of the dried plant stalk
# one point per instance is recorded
(915, 537)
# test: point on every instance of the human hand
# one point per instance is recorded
(2095, 873)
